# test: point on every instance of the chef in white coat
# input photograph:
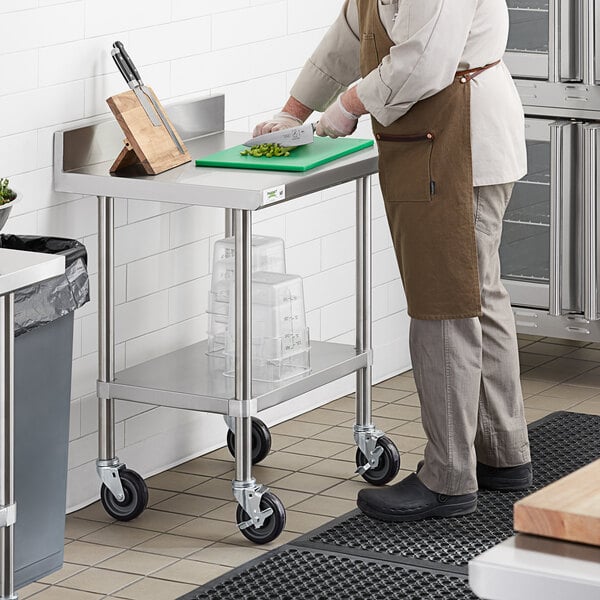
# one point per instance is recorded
(450, 130)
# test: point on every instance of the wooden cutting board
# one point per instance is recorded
(568, 509)
(321, 151)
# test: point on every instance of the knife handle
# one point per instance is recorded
(124, 68)
(119, 46)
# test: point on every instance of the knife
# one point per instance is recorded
(147, 94)
(133, 83)
(295, 136)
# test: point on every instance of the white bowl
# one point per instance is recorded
(5, 211)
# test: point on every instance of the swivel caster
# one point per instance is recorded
(388, 466)
(272, 526)
(135, 501)
(261, 441)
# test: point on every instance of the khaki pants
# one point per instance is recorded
(467, 372)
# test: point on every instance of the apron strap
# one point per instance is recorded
(470, 74)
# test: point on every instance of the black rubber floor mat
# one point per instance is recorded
(560, 444)
(293, 574)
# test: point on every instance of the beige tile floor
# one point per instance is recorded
(187, 537)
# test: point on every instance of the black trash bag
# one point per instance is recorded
(44, 302)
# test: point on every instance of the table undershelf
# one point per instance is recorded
(190, 379)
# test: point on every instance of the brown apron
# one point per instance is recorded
(426, 175)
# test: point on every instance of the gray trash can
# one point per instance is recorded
(43, 359)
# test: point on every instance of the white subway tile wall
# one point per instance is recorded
(56, 72)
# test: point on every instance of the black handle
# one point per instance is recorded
(128, 75)
(119, 46)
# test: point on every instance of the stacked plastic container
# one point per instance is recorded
(268, 254)
(280, 338)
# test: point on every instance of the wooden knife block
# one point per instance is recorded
(149, 146)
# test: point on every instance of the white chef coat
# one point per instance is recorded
(433, 39)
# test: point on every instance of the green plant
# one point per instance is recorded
(6, 194)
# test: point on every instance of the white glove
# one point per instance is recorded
(281, 120)
(336, 121)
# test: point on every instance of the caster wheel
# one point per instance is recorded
(261, 441)
(136, 497)
(273, 525)
(389, 463)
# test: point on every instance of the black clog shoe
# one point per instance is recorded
(504, 478)
(501, 479)
(412, 500)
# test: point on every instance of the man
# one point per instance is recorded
(449, 127)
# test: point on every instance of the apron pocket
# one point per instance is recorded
(368, 53)
(405, 167)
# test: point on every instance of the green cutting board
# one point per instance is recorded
(321, 151)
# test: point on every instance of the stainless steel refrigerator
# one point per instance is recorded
(550, 244)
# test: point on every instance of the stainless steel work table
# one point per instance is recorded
(189, 378)
(527, 566)
(17, 270)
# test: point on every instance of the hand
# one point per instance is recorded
(336, 121)
(281, 120)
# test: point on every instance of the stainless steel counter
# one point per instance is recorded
(530, 567)
(84, 156)
(19, 269)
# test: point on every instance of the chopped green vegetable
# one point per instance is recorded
(267, 150)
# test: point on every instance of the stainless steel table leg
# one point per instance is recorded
(243, 342)
(228, 222)
(107, 464)
(7, 490)
(365, 434)
(230, 421)
(245, 489)
(363, 298)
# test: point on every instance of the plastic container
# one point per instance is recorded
(277, 305)
(217, 332)
(275, 369)
(280, 338)
(268, 254)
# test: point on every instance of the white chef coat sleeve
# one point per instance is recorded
(429, 40)
(334, 65)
